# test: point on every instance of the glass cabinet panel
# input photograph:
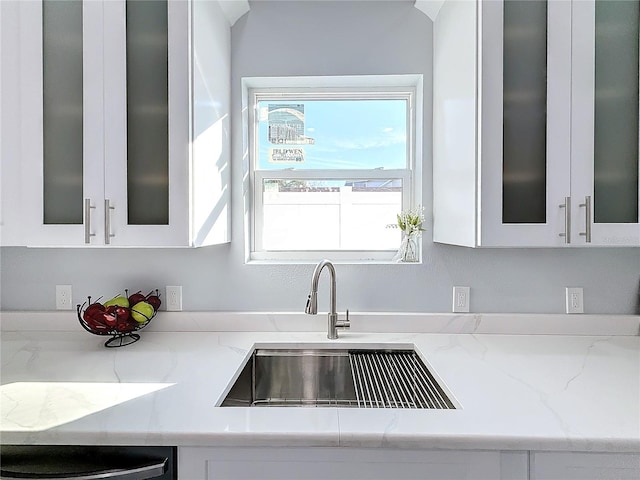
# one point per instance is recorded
(616, 112)
(62, 111)
(524, 112)
(147, 112)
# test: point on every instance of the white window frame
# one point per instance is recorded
(326, 88)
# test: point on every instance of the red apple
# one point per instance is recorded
(93, 316)
(122, 313)
(109, 317)
(92, 309)
(136, 298)
(96, 326)
(126, 325)
(154, 301)
(124, 322)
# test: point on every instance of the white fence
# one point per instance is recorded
(342, 220)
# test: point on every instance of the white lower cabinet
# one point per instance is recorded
(584, 466)
(315, 463)
(345, 463)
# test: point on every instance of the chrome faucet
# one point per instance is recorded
(312, 301)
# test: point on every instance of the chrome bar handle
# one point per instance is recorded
(567, 219)
(587, 216)
(87, 221)
(107, 221)
(39, 471)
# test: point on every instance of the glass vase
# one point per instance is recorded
(409, 248)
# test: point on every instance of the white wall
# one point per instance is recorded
(314, 38)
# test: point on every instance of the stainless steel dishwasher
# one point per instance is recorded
(43, 462)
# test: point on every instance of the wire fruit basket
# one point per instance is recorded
(120, 317)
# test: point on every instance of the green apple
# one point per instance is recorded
(142, 312)
(119, 301)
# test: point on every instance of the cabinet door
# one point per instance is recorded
(61, 142)
(10, 191)
(584, 466)
(524, 122)
(146, 166)
(336, 463)
(605, 123)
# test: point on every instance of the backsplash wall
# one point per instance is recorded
(331, 38)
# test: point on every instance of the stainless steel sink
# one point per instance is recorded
(336, 377)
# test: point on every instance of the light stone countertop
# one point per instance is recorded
(517, 392)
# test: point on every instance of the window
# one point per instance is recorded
(330, 167)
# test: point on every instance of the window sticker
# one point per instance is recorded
(286, 124)
(286, 155)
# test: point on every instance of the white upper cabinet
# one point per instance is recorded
(512, 130)
(604, 141)
(118, 116)
(60, 120)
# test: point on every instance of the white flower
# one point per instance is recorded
(410, 221)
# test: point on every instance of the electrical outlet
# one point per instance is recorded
(63, 297)
(574, 299)
(461, 299)
(174, 298)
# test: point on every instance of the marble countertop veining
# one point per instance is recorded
(517, 392)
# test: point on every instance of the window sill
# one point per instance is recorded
(334, 261)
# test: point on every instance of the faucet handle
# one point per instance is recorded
(344, 324)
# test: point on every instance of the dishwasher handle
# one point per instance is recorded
(39, 463)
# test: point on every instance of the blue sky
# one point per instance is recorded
(348, 134)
